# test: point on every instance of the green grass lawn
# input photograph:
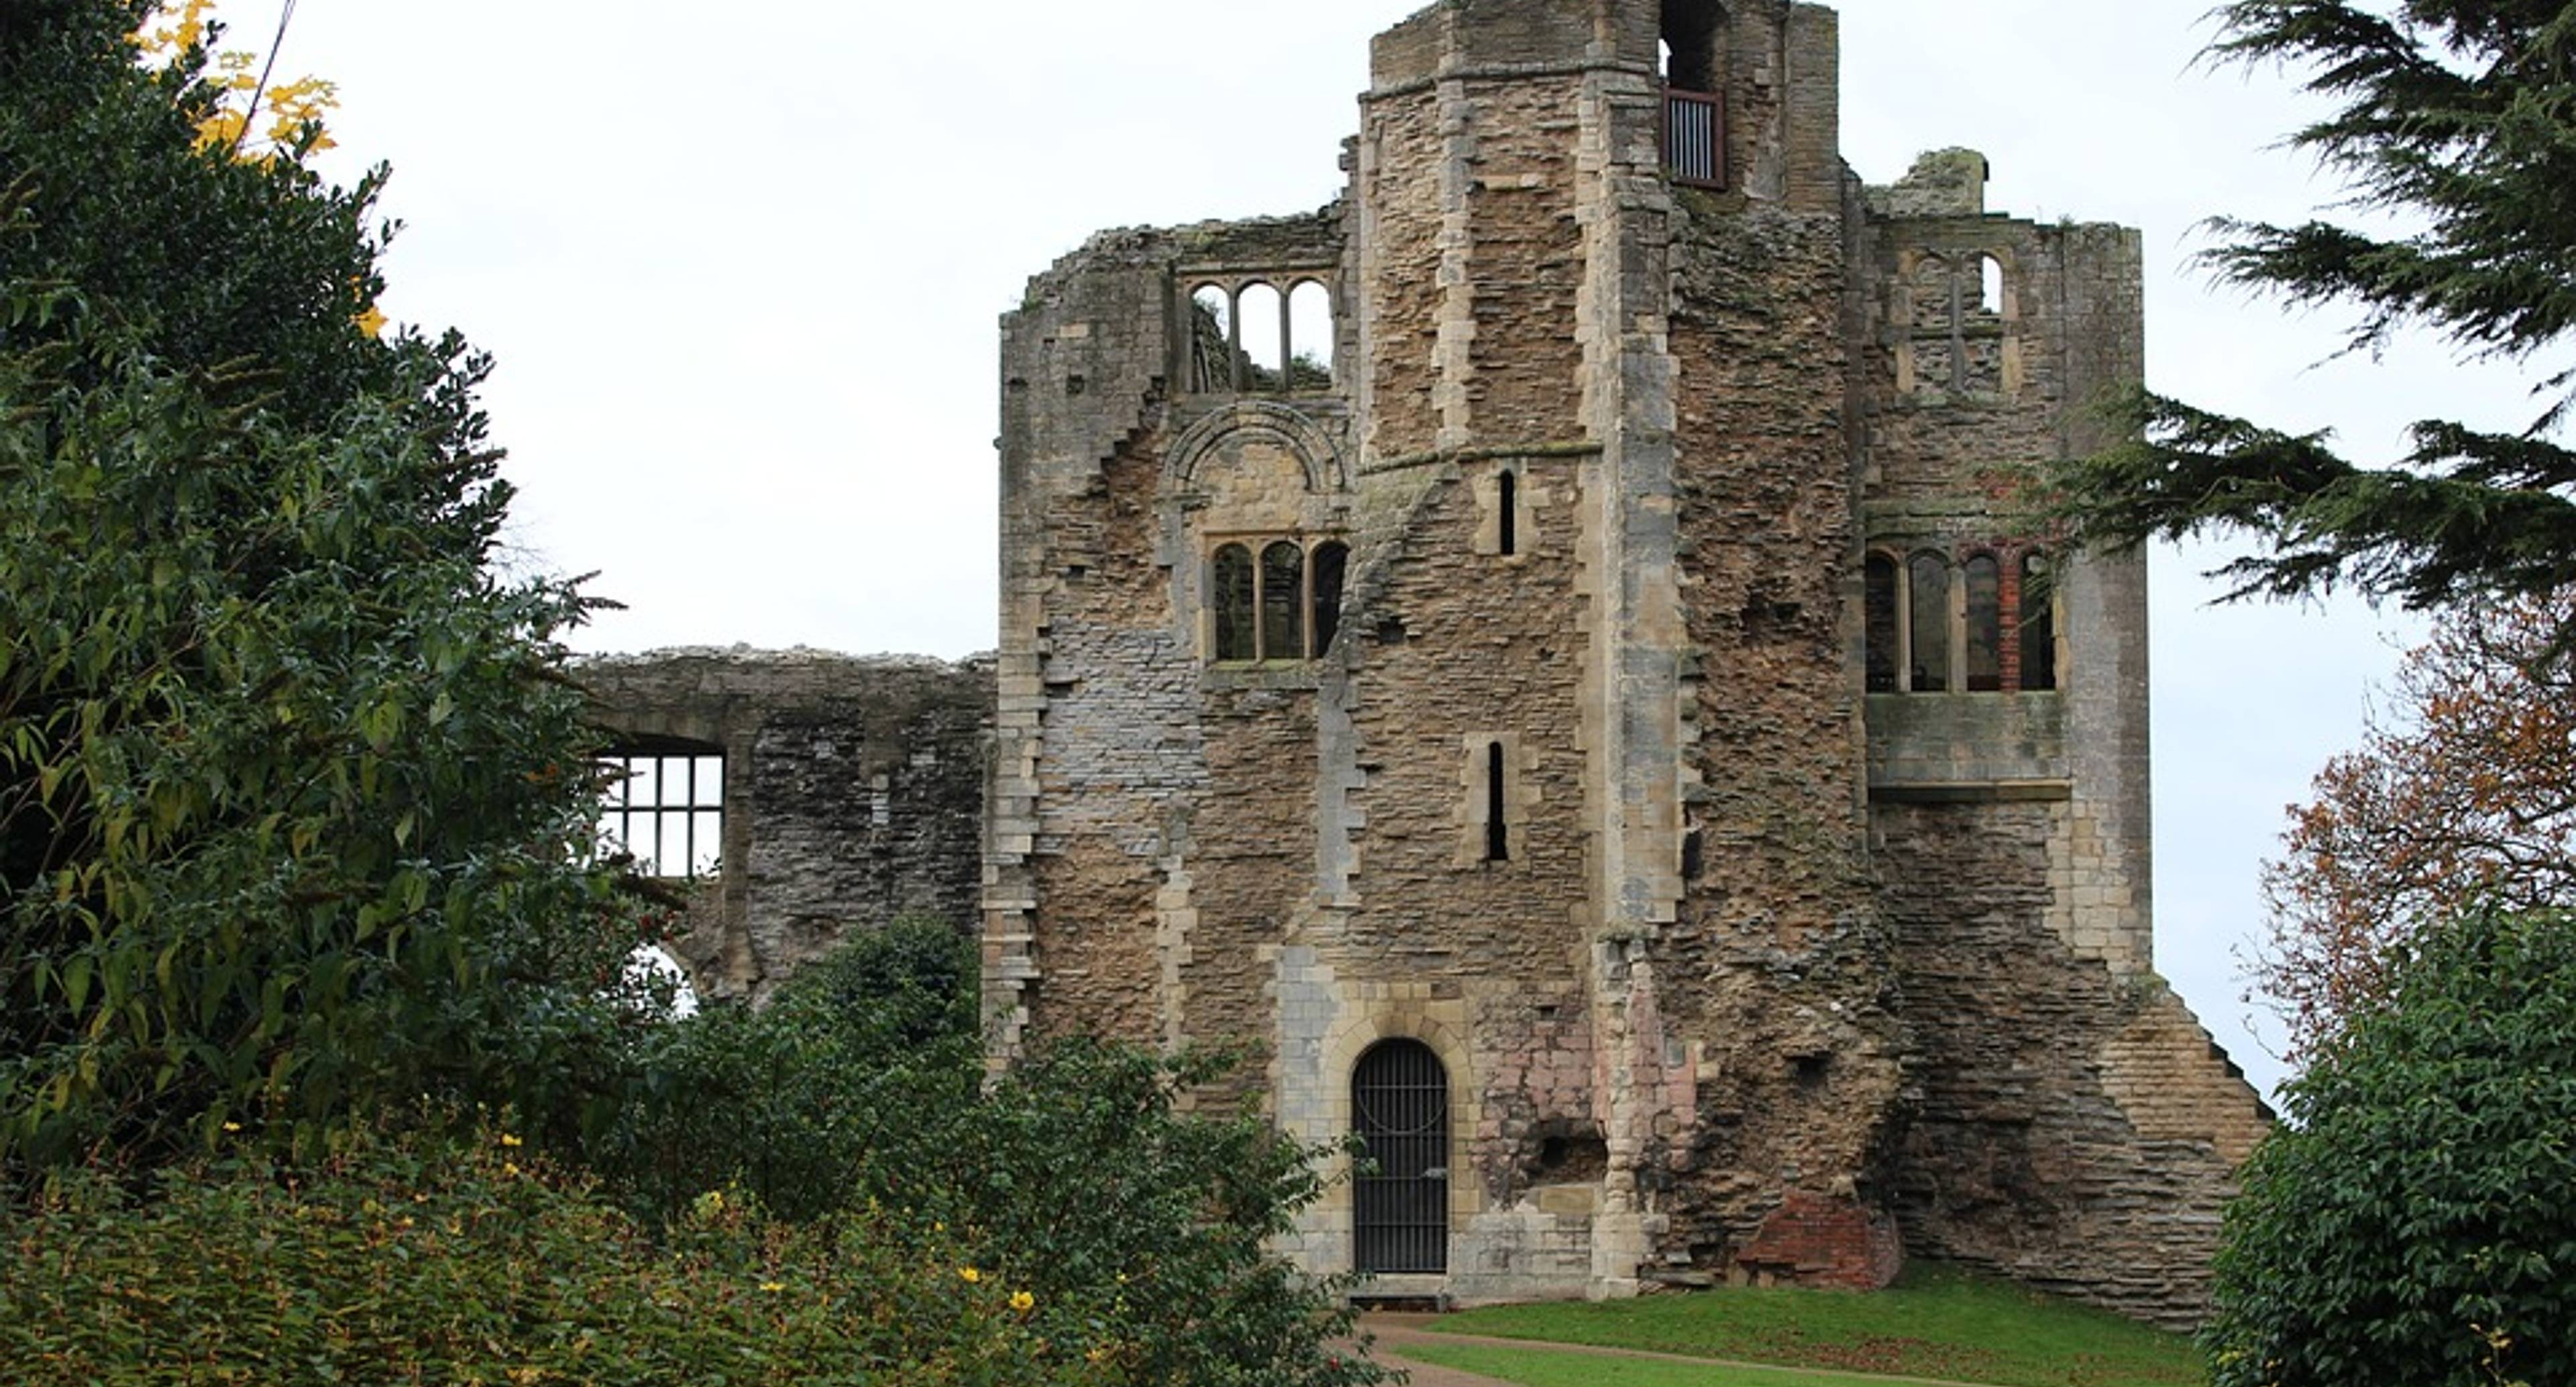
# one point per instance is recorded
(1538, 1367)
(1935, 1322)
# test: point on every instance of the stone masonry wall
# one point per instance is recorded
(1778, 929)
(1770, 969)
(853, 794)
(2077, 1130)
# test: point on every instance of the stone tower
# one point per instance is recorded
(1539, 653)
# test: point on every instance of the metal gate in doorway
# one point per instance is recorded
(1400, 1105)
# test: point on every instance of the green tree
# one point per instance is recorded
(2458, 117)
(294, 795)
(2463, 790)
(2411, 1223)
(1140, 1231)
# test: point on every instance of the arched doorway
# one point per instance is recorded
(1400, 1201)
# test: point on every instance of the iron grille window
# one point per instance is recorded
(1695, 138)
(667, 809)
(1400, 1200)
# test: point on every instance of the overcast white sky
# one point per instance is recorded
(742, 278)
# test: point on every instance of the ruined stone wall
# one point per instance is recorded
(853, 794)
(1768, 966)
(2075, 1128)
(2077, 1131)
(1777, 930)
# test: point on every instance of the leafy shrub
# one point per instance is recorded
(859, 1091)
(420, 1262)
(298, 796)
(832, 1092)
(2412, 1222)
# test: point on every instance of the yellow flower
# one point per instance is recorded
(1023, 1302)
(773, 1287)
(232, 1126)
(969, 1275)
(509, 1167)
(509, 1140)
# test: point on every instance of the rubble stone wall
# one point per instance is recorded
(853, 795)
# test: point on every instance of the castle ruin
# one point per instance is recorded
(1542, 652)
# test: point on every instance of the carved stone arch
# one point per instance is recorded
(1302, 437)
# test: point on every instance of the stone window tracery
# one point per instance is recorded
(1958, 317)
(1274, 599)
(1983, 624)
(1262, 334)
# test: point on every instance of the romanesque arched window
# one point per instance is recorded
(1230, 597)
(1283, 601)
(1982, 578)
(2038, 622)
(1879, 623)
(1310, 336)
(1332, 559)
(1248, 335)
(2003, 631)
(1274, 599)
(1262, 313)
(1928, 583)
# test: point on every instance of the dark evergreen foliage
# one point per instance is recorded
(2459, 115)
(2411, 1223)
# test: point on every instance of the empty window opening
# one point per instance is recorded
(1990, 286)
(1332, 559)
(1310, 336)
(1879, 622)
(1506, 504)
(1929, 579)
(1273, 599)
(1263, 339)
(1562, 1151)
(2038, 623)
(1983, 579)
(1498, 835)
(665, 808)
(1214, 355)
(1400, 1193)
(1692, 44)
(1230, 594)
(1283, 601)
